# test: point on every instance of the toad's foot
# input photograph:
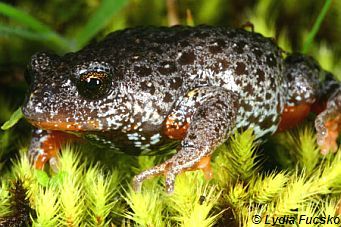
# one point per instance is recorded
(170, 169)
(328, 124)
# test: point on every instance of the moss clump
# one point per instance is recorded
(83, 193)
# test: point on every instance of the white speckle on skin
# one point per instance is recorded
(38, 109)
(133, 136)
(82, 71)
(155, 138)
(137, 144)
(179, 55)
(228, 78)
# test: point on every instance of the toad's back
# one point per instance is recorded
(181, 58)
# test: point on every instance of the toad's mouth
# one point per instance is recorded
(92, 125)
(61, 122)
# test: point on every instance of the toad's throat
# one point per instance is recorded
(92, 125)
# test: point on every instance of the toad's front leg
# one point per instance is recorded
(45, 145)
(202, 119)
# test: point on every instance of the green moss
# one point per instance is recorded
(4, 199)
(83, 193)
(146, 207)
(101, 190)
(47, 208)
(264, 189)
(237, 159)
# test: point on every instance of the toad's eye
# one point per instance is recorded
(93, 85)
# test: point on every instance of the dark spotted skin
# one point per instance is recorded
(184, 87)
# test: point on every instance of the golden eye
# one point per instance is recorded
(93, 85)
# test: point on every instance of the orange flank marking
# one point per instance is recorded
(333, 130)
(175, 130)
(293, 115)
(51, 147)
